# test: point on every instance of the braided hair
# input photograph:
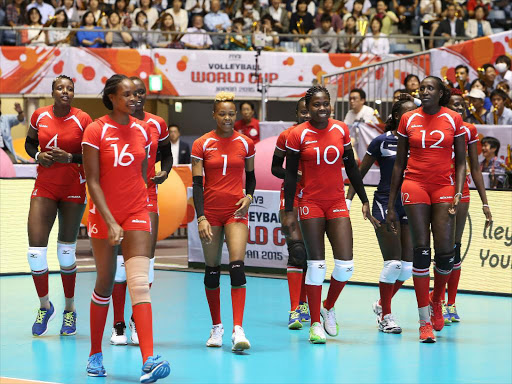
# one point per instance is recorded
(314, 90)
(298, 102)
(392, 122)
(59, 78)
(445, 99)
(111, 88)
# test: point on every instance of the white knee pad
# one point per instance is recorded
(151, 276)
(66, 252)
(137, 269)
(406, 271)
(37, 259)
(390, 271)
(343, 270)
(120, 270)
(316, 272)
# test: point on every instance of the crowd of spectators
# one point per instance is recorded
(324, 25)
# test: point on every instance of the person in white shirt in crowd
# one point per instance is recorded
(7, 122)
(498, 98)
(367, 5)
(377, 43)
(280, 16)
(248, 13)
(179, 15)
(197, 7)
(358, 110)
(320, 42)
(71, 12)
(196, 40)
(45, 9)
(141, 38)
(59, 37)
(179, 149)
(216, 21)
(478, 26)
(151, 13)
(502, 66)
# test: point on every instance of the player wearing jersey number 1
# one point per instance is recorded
(396, 250)
(297, 259)
(222, 211)
(429, 194)
(322, 146)
(59, 189)
(159, 142)
(115, 159)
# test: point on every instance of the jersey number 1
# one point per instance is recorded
(123, 155)
(225, 157)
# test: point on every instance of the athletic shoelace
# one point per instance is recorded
(69, 319)
(304, 308)
(40, 315)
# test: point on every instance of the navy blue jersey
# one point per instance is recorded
(383, 149)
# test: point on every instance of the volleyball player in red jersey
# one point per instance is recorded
(115, 160)
(159, 142)
(222, 211)
(429, 193)
(59, 189)
(322, 145)
(297, 258)
(458, 105)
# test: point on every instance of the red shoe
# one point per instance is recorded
(436, 314)
(426, 333)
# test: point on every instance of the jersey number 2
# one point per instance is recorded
(119, 157)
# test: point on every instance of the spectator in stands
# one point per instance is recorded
(492, 163)
(504, 85)
(248, 125)
(151, 13)
(249, 14)
(266, 27)
(367, 5)
(349, 39)
(405, 10)
(478, 26)
(397, 93)
(15, 16)
(121, 38)
(197, 41)
(490, 77)
(280, 16)
(451, 28)
(179, 149)
(324, 39)
(141, 38)
(473, 4)
(239, 42)
(462, 73)
(121, 7)
(376, 43)
(94, 7)
(301, 23)
(216, 21)
(165, 39)
(479, 84)
(59, 37)
(359, 16)
(430, 10)
(359, 112)
(412, 84)
(388, 18)
(503, 114)
(68, 6)
(6, 124)
(34, 35)
(160, 5)
(476, 99)
(327, 9)
(45, 9)
(179, 15)
(502, 66)
(195, 7)
(310, 7)
(90, 35)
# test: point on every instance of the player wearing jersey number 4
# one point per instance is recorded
(431, 192)
(159, 142)
(297, 259)
(222, 211)
(59, 189)
(396, 250)
(322, 146)
(115, 159)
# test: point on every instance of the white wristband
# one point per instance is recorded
(349, 203)
(417, 102)
(36, 156)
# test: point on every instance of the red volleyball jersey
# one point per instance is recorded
(224, 166)
(159, 132)
(281, 145)
(122, 149)
(251, 130)
(62, 132)
(321, 155)
(431, 140)
(471, 133)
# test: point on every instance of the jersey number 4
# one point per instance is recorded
(124, 158)
(53, 142)
(436, 145)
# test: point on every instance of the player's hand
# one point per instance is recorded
(115, 234)
(160, 177)
(391, 221)
(244, 203)
(17, 108)
(488, 216)
(45, 159)
(59, 155)
(205, 231)
(453, 207)
(368, 216)
(289, 223)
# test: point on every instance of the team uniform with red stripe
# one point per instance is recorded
(281, 146)
(122, 149)
(470, 137)
(429, 176)
(159, 132)
(224, 166)
(321, 154)
(60, 182)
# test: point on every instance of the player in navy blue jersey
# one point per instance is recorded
(396, 250)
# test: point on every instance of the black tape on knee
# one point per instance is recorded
(297, 256)
(237, 273)
(212, 277)
(421, 258)
(457, 259)
(444, 261)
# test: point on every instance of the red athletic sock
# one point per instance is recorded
(396, 287)
(314, 300)
(98, 317)
(294, 276)
(118, 301)
(41, 282)
(213, 297)
(238, 303)
(453, 284)
(443, 295)
(335, 289)
(386, 294)
(440, 280)
(143, 316)
(68, 278)
(303, 290)
(421, 287)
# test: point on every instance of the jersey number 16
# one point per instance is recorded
(120, 157)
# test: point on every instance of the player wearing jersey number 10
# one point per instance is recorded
(429, 194)
(115, 159)
(59, 189)
(322, 146)
(222, 211)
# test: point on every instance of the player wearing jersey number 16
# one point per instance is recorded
(115, 159)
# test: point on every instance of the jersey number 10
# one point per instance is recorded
(119, 157)
(326, 150)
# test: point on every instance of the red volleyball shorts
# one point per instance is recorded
(129, 222)
(220, 218)
(415, 192)
(281, 201)
(328, 209)
(72, 193)
(465, 193)
(153, 199)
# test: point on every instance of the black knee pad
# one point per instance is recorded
(212, 277)
(237, 273)
(297, 256)
(444, 261)
(457, 259)
(421, 258)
